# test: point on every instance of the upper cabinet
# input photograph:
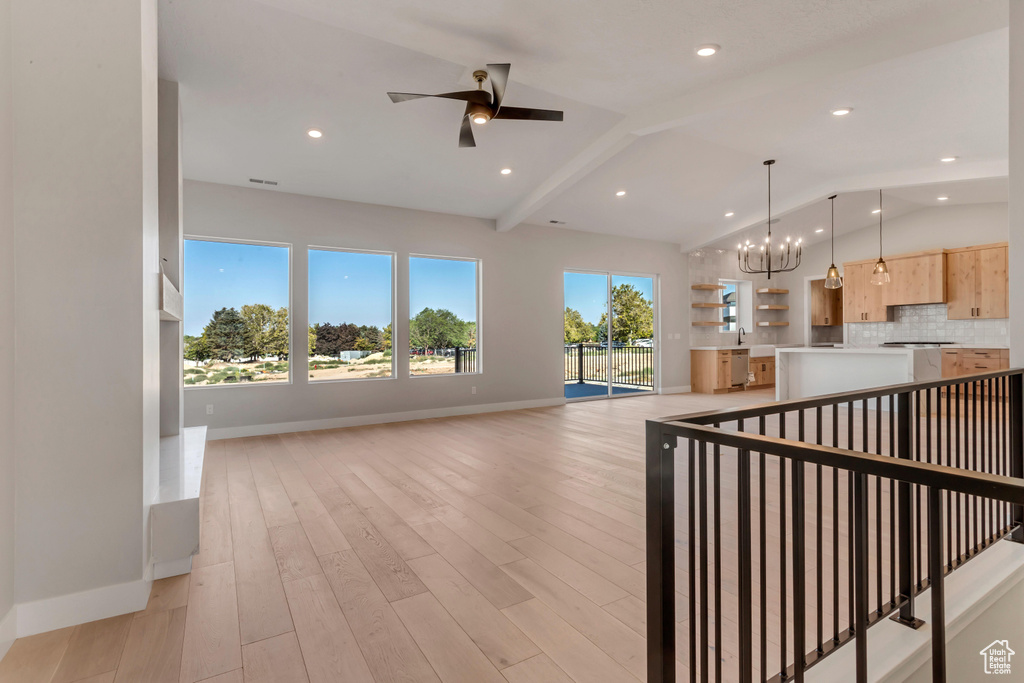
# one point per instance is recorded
(977, 282)
(826, 305)
(862, 301)
(916, 279)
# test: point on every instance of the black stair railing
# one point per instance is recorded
(807, 521)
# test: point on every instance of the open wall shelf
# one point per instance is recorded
(704, 305)
(773, 323)
(708, 323)
(770, 290)
(772, 307)
(707, 287)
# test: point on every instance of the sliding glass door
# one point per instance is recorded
(609, 338)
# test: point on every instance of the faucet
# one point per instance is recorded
(739, 336)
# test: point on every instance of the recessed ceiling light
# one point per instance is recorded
(708, 49)
(877, 211)
(842, 111)
(942, 199)
(480, 119)
(730, 214)
(506, 171)
(947, 160)
(620, 193)
(315, 133)
(820, 230)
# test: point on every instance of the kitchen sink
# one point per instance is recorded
(762, 351)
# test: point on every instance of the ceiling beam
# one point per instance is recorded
(911, 35)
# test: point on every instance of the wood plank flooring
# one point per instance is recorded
(495, 547)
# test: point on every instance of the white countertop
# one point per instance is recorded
(744, 347)
(892, 350)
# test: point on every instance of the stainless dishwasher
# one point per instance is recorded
(740, 367)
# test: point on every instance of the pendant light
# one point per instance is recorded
(880, 275)
(768, 263)
(832, 279)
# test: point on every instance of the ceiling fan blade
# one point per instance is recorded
(524, 114)
(498, 73)
(466, 133)
(477, 96)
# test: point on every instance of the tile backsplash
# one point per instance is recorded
(929, 323)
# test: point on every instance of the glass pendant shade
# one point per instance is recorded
(880, 275)
(833, 280)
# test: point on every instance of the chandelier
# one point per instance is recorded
(769, 260)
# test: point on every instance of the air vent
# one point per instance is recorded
(262, 182)
(554, 222)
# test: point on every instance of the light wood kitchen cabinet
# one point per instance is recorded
(711, 370)
(763, 370)
(959, 362)
(826, 305)
(916, 279)
(977, 282)
(862, 301)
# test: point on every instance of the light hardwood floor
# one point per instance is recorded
(496, 547)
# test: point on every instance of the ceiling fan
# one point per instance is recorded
(482, 106)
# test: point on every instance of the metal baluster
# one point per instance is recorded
(1017, 448)
(905, 615)
(860, 618)
(745, 570)
(661, 641)
(819, 523)
(691, 486)
(717, 488)
(783, 603)
(799, 564)
(702, 483)
(761, 529)
(938, 598)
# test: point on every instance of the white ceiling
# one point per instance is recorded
(684, 136)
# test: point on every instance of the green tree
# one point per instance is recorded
(386, 336)
(437, 329)
(258, 319)
(225, 334)
(633, 315)
(577, 330)
(277, 341)
(312, 340)
(364, 344)
(197, 349)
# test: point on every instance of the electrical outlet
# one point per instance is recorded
(209, 409)
(474, 390)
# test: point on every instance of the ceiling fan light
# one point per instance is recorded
(480, 119)
(833, 280)
(880, 275)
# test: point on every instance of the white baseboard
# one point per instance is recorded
(163, 570)
(8, 630)
(675, 390)
(50, 614)
(380, 418)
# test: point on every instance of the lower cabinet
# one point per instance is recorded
(711, 370)
(763, 370)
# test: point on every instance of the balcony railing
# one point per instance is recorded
(805, 522)
(630, 365)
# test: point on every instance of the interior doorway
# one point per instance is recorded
(609, 335)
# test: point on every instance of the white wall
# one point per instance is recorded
(86, 418)
(520, 327)
(1016, 209)
(946, 227)
(7, 458)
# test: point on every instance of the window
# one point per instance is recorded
(443, 309)
(730, 314)
(350, 314)
(236, 313)
(737, 296)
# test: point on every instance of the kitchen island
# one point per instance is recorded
(808, 371)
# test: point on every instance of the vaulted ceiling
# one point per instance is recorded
(683, 135)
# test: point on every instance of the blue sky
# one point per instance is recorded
(349, 287)
(442, 283)
(588, 292)
(224, 275)
(343, 286)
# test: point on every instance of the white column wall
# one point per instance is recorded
(86, 420)
(7, 359)
(1016, 209)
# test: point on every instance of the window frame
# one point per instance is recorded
(744, 305)
(478, 292)
(394, 311)
(291, 305)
